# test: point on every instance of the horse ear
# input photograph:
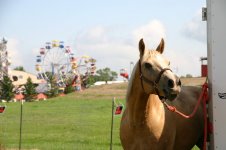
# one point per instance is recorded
(160, 48)
(141, 47)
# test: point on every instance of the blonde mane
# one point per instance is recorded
(132, 76)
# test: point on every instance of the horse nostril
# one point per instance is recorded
(170, 83)
(179, 82)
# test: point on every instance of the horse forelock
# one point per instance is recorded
(150, 54)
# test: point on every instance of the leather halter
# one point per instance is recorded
(153, 83)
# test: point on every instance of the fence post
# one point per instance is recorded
(112, 122)
(21, 119)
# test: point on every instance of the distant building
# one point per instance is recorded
(204, 70)
(108, 82)
(19, 78)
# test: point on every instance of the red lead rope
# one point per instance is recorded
(203, 97)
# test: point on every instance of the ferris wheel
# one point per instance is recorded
(59, 61)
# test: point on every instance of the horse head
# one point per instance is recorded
(155, 73)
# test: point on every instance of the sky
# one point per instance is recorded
(108, 31)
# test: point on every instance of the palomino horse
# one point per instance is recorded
(146, 124)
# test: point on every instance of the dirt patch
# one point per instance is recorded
(197, 81)
(106, 91)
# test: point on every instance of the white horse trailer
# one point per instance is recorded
(216, 45)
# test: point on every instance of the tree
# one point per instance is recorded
(52, 81)
(91, 80)
(106, 74)
(6, 88)
(29, 89)
(103, 75)
(69, 88)
(188, 76)
(19, 68)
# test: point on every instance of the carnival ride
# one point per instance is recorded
(59, 61)
(124, 73)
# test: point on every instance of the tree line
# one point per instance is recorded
(8, 90)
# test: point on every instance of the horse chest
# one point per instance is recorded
(155, 121)
(143, 136)
(142, 139)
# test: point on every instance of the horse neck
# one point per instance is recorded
(136, 99)
(139, 103)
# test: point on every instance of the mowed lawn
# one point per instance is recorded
(77, 121)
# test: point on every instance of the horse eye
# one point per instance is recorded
(148, 66)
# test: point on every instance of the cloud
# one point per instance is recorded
(14, 52)
(151, 33)
(114, 49)
(183, 63)
(195, 28)
(102, 44)
(93, 35)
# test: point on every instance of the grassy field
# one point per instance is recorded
(77, 121)
(80, 121)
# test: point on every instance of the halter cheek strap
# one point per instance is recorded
(153, 83)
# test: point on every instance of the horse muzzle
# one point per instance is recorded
(172, 89)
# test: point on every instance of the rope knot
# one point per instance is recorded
(171, 108)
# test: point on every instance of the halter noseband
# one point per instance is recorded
(153, 83)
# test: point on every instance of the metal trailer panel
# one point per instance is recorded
(216, 45)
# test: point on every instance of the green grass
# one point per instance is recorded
(60, 123)
(77, 121)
